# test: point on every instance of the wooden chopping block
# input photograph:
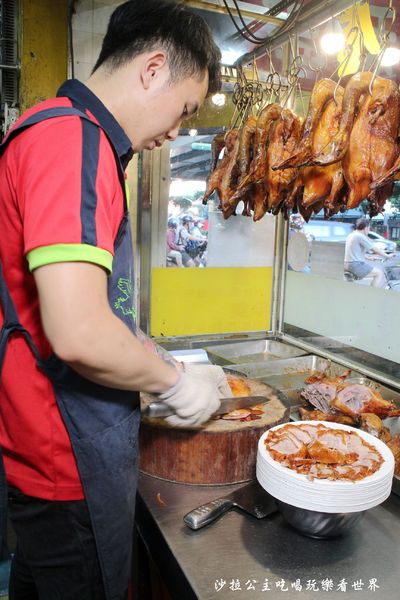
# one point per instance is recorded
(218, 452)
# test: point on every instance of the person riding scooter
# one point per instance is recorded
(175, 251)
(193, 244)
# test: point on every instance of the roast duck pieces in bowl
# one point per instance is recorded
(351, 403)
(317, 451)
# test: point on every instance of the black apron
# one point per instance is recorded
(102, 422)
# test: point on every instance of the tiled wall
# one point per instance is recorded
(89, 25)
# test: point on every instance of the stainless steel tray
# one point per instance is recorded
(190, 356)
(251, 352)
(289, 374)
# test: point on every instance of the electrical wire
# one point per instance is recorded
(238, 29)
(256, 39)
(250, 36)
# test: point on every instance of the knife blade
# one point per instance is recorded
(159, 409)
(251, 498)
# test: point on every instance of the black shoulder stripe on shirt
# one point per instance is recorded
(90, 163)
(90, 160)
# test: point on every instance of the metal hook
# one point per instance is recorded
(384, 36)
(314, 55)
(383, 33)
(295, 68)
(271, 84)
(346, 59)
(301, 98)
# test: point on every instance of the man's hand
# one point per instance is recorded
(193, 399)
(212, 373)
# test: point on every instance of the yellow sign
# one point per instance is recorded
(211, 300)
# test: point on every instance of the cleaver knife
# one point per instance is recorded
(251, 498)
(159, 409)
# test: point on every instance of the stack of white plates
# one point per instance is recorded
(324, 495)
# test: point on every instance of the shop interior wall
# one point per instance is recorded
(43, 49)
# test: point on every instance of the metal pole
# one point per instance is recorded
(314, 14)
(249, 14)
(281, 230)
(144, 238)
(10, 67)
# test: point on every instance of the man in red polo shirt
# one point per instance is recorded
(73, 364)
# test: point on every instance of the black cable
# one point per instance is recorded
(282, 27)
(238, 29)
(246, 27)
(251, 37)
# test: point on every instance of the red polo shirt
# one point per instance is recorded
(60, 201)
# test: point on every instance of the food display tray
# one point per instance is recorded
(289, 376)
(251, 352)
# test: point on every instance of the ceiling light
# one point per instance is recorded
(193, 132)
(218, 99)
(332, 43)
(390, 57)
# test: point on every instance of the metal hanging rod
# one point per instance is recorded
(313, 14)
(10, 68)
(203, 5)
(280, 7)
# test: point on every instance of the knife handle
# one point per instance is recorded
(158, 410)
(206, 513)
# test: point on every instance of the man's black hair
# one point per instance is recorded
(141, 25)
(362, 223)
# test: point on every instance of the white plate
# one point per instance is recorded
(298, 251)
(322, 494)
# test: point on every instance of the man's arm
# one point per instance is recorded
(380, 252)
(155, 348)
(84, 332)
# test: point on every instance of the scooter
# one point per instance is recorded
(392, 274)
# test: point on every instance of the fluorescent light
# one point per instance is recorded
(332, 43)
(201, 146)
(230, 56)
(390, 57)
(218, 99)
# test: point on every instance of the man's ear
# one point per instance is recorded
(153, 65)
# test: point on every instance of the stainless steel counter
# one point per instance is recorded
(255, 555)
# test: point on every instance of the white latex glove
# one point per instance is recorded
(193, 400)
(211, 373)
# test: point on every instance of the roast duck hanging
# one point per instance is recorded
(345, 151)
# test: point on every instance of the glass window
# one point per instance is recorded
(197, 233)
(187, 233)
